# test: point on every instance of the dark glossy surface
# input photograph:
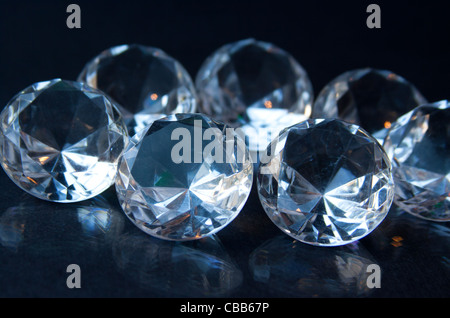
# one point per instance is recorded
(251, 257)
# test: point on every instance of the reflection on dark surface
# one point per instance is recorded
(401, 229)
(414, 255)
(181, 269)
(289, 268)
(39, 239)
(32, 222)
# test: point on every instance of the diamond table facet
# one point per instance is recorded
(184, 177)
(419, 147)
(326, 182)
(371, 98)
(256, 86)
(147, 83)
(61, 141)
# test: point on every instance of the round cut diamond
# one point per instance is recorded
(176, 184)
(61, 141)
(257, 86)
(418, 146)
(371, 98)
(147, 83)
(326, 182)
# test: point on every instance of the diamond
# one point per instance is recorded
(188, 192)
(256, 86)
(418, 146)
(147, 83)
(326, 182)
(371, 98)
(61, 141)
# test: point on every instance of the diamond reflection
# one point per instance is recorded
(43, 228)
(182, 269)
(287, 268)
(403, 235)
(414, 255)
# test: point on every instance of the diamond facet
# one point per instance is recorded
(256, 86)
(147, 83)
(61, 141)
(371, 98)
(418, 145)
(326, 182)
(174, 185)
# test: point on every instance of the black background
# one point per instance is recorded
(326, 37)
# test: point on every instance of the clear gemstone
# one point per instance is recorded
(418, 146)
(326, 182)
(371, 98)
(61, 141)
(183, 200)
(257, 86)
(147, 83)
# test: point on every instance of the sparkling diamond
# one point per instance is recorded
(184, 193)
(61, 141)
(256, 86)
(326, 182)
(371, 98)
(419, 147)
(147, 83)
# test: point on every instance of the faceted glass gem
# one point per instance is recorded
(184, 177)
(418, 145)
(326, 182)
(256, 86)
(371, 98)
(147, 83)
(61, 141)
